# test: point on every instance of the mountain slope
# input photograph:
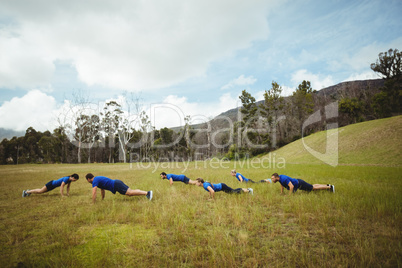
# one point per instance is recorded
(376, 142)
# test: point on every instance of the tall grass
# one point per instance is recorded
(359, 225)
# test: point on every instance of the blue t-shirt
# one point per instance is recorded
(57, 183)
(284, 180)
(244, 178)
(104, 183)
(175, 177)
(216, 187)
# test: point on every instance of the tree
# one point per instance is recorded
(271, 108)
(46, 144)
(249, 109)
(303, 102)
(187, 135)
(249, 115)
(87, 133)
(389, 64)
(351, 108)
(61, 145)
(380, 105)
(110, 123)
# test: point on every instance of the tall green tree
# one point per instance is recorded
(389, 64)
(110, 124)
(249, 119)
(271, 108)
(352, 108)
(303, 102)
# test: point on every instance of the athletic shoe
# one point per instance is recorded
(24, 193)
(149, 195)
(333, 188)
(250, 191)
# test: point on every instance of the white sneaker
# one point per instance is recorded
(333, 188)
(250, 191)
(149, 195)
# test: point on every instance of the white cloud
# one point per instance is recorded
(317, 81)
(362, 76)
(172, 111)
(240, 81)
(35, 109)
(287, 91)
(133, 45)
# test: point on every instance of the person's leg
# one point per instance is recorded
(188, 181)
(37, 191)
(131, 192)
(321, 186)
(226, 189)
(191, 182)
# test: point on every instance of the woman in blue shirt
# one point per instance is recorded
(212, 188)
(54, 184)
(241, 178)
(173, 177)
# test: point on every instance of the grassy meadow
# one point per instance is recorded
(358, 226)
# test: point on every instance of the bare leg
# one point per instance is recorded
(131, 192)
(321, 187)
(191, 182)
(38, 191)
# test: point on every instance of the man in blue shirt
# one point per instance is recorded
(294, 184)
(212, 188)
(174, 177)
(54, 184)
(114, 186)
(241, 178)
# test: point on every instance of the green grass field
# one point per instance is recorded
(358, 226)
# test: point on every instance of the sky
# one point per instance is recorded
(180, 58)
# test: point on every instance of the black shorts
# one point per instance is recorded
(186, 180)
(305, 186)
(120, 187)
(49, 186)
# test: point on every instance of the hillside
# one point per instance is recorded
(353, 88)
(376, 142)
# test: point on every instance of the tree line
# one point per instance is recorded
(120, 132)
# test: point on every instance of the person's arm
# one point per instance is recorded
(103, 193)
(290, 184)
(94, 194)
(211, 192)
(62, 189)
(240, 178)
(282, 189)
(68, 189)
(171, 181)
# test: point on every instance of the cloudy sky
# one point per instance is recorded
(192, 57)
